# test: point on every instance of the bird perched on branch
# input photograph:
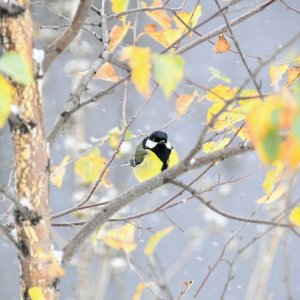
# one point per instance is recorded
(153, 155)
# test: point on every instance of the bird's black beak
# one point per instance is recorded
(162, 142)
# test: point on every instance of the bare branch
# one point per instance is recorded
(224, 28)
(128, 196)
(240, 51)
(149, 9)
(59, 45)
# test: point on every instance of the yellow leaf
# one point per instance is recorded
(138, 291)
(293, 74)
(121, 238)
(168, 71)
(140, 63)
(155, 239)
(36, 293)
(160, 16)
(223, 121)
(184, 101)
(294, 216)
(58, 172)
(116, 36)
(213, 146)
(6, 94)
(222, 45)
(272, 177)
(163, 37)
(190, 19)
(119, 6)
(107, 72)
(90, 166)
(220, 92)
(114, 137)
(274, 195)
(54, 269)
(276, 72)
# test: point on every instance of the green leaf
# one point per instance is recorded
(14, 65)
(271, 144)
(216, 74)
(168, 71)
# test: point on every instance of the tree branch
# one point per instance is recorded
(59, 45)
(224, 28)
(128, 196)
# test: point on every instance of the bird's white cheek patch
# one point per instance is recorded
(168, 145)
(150, 144)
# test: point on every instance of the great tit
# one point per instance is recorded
(153, 155)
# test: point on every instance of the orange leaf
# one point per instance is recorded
(116, 36)
(163, 37)
(293, 74)
(184, 101)
(222, 45)
(290, 152)
(107, 72)
(140, 63)
(160, 16)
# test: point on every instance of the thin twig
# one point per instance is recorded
(61, 43)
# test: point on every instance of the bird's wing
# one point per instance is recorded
(139, 155)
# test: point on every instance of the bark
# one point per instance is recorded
(38, 267)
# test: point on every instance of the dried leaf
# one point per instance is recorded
(140, 63)
(293, 74)
(121, 238)
(222, 45)
(160, 16)
(155, 239)
(168, 71)
(276, 72)
(184, 101)
(107, 72)
(294, 216)
(36, 293)
(116, 36)
(58, 172)
(6, 94)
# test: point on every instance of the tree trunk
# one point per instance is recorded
(39, 269)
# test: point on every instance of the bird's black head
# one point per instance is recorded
(159, 137)
(154, 139)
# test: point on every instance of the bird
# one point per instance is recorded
(152, 156)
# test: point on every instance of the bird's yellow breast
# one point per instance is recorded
(152, 165)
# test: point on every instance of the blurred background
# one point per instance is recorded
(268, 265)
